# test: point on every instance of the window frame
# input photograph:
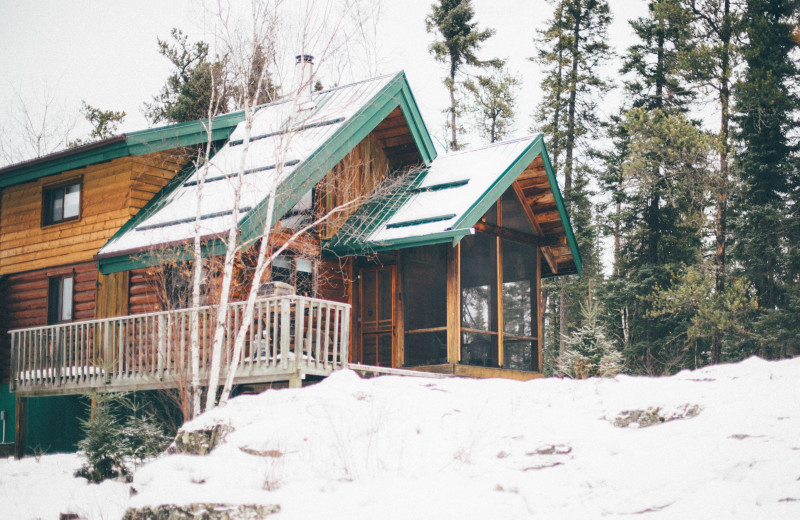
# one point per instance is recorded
(48, 219)
(59, 312)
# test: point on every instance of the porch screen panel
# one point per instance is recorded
(425, 309)
(479, 314)
(519, 309)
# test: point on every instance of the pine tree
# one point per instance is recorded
(460, 40)
(766, 167)
(590, 352)
(493, 104)
(104, 123)
(194, 83)
(711, 61)
(572, 47)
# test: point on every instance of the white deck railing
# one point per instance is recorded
(289, 337)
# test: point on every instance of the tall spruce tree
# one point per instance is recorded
(766, 202)
(459, 43)
(571, 49)
(659, 171)
(716, 26)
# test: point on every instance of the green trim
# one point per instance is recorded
(453, 235)
(502, 183)
(562, 209)
(420, 221)
(373, 214)
(499, 186)
(442, 186)
(142, 142)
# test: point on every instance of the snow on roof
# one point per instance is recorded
(281, 139)
(455, 183)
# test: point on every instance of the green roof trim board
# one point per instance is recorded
(141, 142)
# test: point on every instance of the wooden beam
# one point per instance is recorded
(399, 322)
(548, 255)
(539, 311)
(500, 325)
(515, 236)
(454, 304)
(20, 424)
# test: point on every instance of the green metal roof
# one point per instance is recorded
(141, 142)
(361, 233)
(310, 170)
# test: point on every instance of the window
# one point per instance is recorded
(59, 298)
(295, 271)
(61, 203)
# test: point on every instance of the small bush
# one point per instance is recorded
(118, 432)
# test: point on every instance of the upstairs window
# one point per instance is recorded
(59, 298)
(61, 203)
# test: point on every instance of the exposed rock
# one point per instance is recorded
(202, 512)
(199, 442)
(654, 415)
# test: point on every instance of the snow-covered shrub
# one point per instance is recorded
(589, 351)
(118, 432)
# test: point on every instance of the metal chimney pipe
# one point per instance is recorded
(306, 64)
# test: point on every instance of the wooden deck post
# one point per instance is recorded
(454, 304)
(20, 424)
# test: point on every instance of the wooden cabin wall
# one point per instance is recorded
(356, 175)
(25, 301)
(143, 291)
(111, 193)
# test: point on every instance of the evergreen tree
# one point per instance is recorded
(493, 101)
(657, 62)
(104, 123)
(714, 54)
(572, 47)
(765, 213)
(460, 40)
(194, 85)
(590, 352)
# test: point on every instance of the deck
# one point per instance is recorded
(288, 338)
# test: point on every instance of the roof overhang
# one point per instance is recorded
(134, 143)
(358, 235)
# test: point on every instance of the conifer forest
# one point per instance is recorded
(684, 199)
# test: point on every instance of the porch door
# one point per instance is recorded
(377, 316)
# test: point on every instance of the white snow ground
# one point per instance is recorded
(399, 448)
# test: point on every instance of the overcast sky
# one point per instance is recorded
(105, 52)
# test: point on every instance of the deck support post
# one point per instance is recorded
(20, 424)
(162, 344)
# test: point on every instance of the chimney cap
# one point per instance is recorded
(305, 58)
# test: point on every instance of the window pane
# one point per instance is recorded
(56, 205)
(479, 282)
(66, 298)
(479, 299)
(425, 297)
(425, 348)
(520, 354)
(282, 270)
(519, 276)
(72, 200)
(478, 349)
(53, 300)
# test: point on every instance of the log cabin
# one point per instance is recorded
(399, 260)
